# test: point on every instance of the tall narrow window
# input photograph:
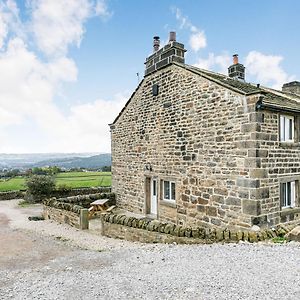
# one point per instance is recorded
(286, 128)
(169, 190)
(288, 194)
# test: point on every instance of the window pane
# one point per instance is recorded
(286, 129)
(166, 190)
(283, 195)
(154, 188)
(293, 200)
(282, 138)
(290, 129)
(288, 194)
(173, 190)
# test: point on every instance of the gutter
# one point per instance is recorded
(264, 106)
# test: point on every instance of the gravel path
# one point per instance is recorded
(45, 260)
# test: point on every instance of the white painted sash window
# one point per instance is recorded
(286, 128)
(169, 190)
(288, 194)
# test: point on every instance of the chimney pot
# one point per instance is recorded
(236, 70)
(172, 36)
(156, 43)
(235, 59)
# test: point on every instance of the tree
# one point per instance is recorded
(106, 169)
(39, 187)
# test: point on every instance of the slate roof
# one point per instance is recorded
(271, 99)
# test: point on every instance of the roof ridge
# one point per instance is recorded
(226, 81)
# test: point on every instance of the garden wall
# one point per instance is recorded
(154, 231)
(12, 195)
(80, 191)
(62, 216)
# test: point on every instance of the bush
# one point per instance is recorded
(64, 189)
(39, 187)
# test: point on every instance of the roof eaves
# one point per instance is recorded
(262, 104)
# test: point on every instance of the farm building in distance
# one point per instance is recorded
(198, 148)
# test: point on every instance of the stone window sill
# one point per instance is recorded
(289, 210)
(168, 203)
(289, 145)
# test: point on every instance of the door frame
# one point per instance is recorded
(149, 194)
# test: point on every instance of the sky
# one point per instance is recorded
(67, 67)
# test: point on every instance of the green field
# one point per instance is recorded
(70, 179)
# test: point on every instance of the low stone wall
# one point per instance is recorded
(81, 191)
(153, 231)
(59, 194)
(61, 216)
(12, 195)
(56, 203)
(73, 210)
(85, 200)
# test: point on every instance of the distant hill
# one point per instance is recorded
(66, 160)
(96, 161)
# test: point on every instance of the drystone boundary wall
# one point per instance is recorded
(62, 216)
(12, 195)
(73, 210)
(83, 201)
(57, 194)
(154, 231)
(56, 203)
(81, 191)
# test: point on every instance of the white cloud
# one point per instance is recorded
(101, 9)
(58, 24)
(266, 69)
(9, 19)
(30, 83)
(197, 39)
(218, 63)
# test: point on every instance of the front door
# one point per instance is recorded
(153, 200)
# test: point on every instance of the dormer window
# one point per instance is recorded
(287, 128)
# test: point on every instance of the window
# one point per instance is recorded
(287, 194)
(169, 190)
(286, 128)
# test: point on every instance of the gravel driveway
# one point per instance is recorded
(46, 260)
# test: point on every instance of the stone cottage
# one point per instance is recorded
(198, 148)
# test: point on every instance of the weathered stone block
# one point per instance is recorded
(258, 173)
(201, 208)
(250, 127)
(233, 201)
(218, 199)
(247, 182)
(252, 237)
(260, 193)
(211, 211)
(252, 162)
(251, 207)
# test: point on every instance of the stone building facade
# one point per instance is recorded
(198, 148)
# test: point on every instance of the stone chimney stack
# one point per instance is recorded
(172, 36)
(236, 70)
(172, 52)
(292, 88)
(156, 43)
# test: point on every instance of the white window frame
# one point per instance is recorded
(285, 128)
(170, 183)
(288, 193)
